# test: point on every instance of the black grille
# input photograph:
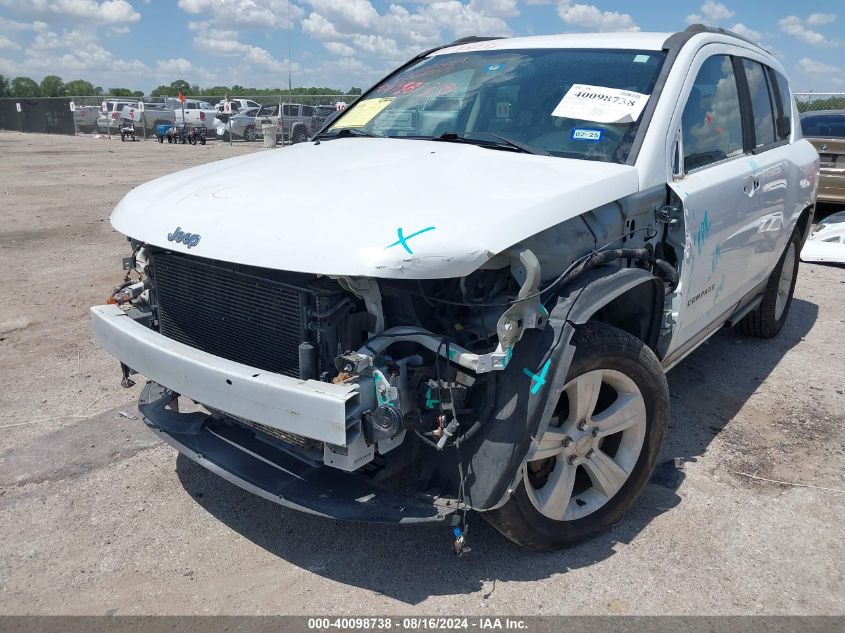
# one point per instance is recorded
(230, 311)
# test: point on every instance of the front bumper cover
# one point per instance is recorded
(237, 454)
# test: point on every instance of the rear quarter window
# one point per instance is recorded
(785, 120)
(762, 108)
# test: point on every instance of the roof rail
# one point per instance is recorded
(680, 38)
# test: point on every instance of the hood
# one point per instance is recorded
(371, 207)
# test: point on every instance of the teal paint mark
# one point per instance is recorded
(718, 290)
(429, 401)
(403, 239)
(543, 311)
(755, 166)
(452, 353)
(538, 380)
(717, 255)
(703, 232)
(508, 354)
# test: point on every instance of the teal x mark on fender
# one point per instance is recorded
(538, 380)
(403, 239)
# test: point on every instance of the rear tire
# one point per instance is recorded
(617, 390)
(249, 133)
(768, 318)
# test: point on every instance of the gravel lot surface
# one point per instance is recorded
(98, 516)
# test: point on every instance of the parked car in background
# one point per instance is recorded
(296, 124)
(490, 261)
(109, 122)
(238, 104)
(825, 129)
(155, 103)
(826, 244)
(242, 125)
(195, 113)
(86, 118)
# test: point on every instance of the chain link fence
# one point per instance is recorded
(815, 101)
(52, 115)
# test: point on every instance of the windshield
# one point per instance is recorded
(563, 102)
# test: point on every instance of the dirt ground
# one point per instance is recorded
(99, 517)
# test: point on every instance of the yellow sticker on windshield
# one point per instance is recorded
(362, 113)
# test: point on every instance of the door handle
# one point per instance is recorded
(751, 185)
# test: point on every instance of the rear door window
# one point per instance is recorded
(762, 108)
(711, 122)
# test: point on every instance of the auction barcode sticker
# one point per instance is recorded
(600, 104)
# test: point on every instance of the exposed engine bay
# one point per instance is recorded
(426, 356)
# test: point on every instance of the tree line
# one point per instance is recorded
(53, 86)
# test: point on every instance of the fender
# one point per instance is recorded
(528, 389)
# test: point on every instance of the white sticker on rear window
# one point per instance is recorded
(600, 104)
(640, 59)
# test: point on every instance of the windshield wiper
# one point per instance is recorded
(346, 132)
(500, 143)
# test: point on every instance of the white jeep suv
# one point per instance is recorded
(469, 294)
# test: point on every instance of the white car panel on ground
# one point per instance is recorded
(826, 244)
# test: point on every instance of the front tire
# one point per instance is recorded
(768, 318)
(249, 133)
(600, 448)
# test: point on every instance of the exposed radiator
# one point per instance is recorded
(239, 313)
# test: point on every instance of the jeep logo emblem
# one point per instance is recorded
(188, 239)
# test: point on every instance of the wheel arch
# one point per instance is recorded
(297, 126)
(637, 310)
(496, 455)
(805, 222)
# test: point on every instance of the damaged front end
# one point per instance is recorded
(395, 380)
(396, 400)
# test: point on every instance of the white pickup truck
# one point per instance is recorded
(195, 113)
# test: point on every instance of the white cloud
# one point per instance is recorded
(357, 28)
(792, 25)
(267, 14)
(711, 12)
(178, 66)
(740, 29)
(90, 12)
(815, 67)
(591, 17)
(715, 11)
(339, 48)
(818, 19)
(6, 43)
(348, 14)
(495, 8)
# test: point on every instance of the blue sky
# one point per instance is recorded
(140, 44)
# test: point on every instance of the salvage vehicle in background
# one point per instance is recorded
(195, 113)
(238, 105)
(825, 129)
(475, 308)
(242, 125)
(86, 118)
(109, 122)
(826, 244)
(295, 125)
